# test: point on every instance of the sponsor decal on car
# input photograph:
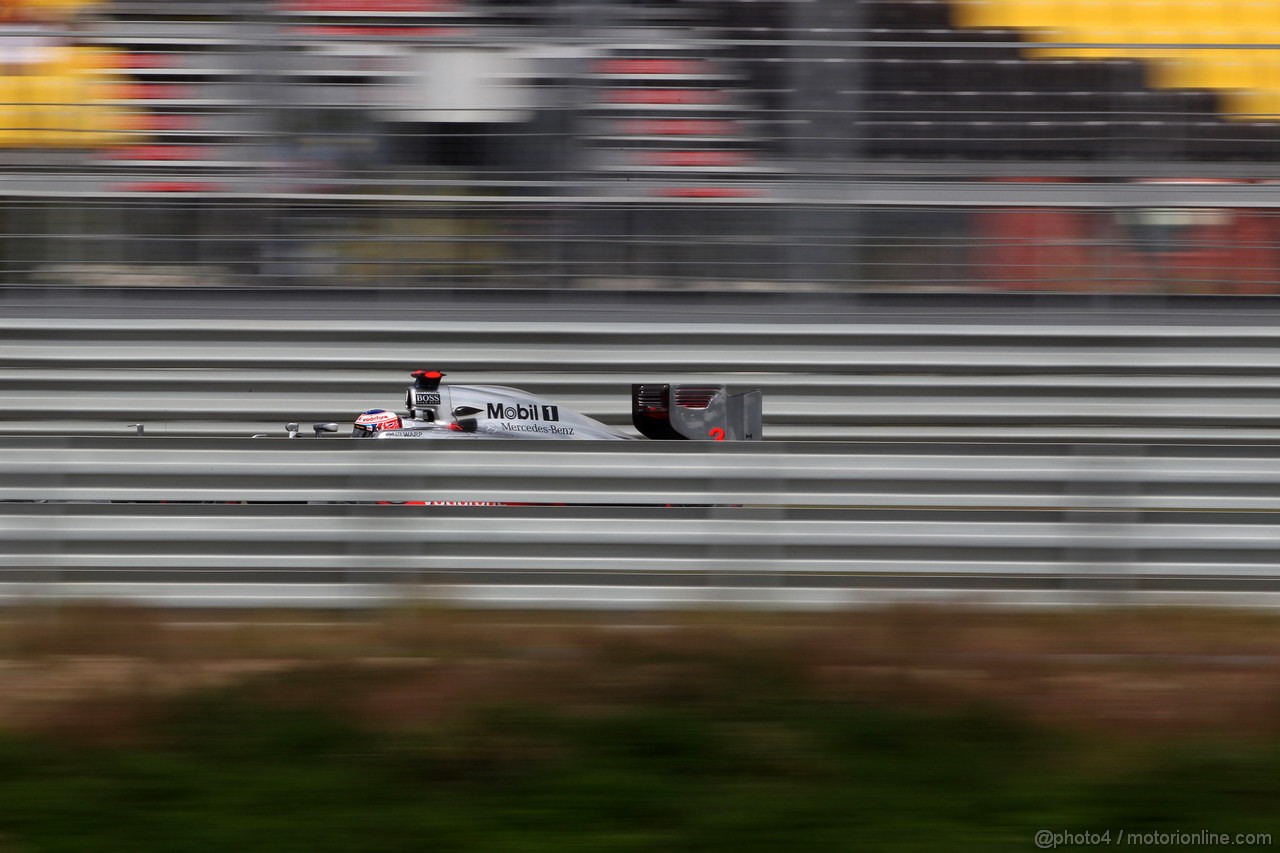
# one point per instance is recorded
(552, 429)
(530, 412)
(426, 398)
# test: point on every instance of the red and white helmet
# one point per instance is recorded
(374, 420)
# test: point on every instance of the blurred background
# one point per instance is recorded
(879, 145)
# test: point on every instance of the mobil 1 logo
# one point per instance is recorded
(531, 412)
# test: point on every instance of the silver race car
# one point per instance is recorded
(436, 410)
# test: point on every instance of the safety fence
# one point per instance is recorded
(939, 380)
(298, 523)
(856, 236)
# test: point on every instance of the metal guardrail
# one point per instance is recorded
(1050, 477)
(641, 525)
(822, 381)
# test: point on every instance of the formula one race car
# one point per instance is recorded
(436, 410)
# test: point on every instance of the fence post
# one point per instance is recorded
(1103, 505)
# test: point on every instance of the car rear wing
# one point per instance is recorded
(698, 412)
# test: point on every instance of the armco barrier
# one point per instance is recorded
(838, 381)
(638, 525)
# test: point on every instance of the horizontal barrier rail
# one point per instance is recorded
(786, 525)
(1011, 476)
(348, 596)
(822, 381)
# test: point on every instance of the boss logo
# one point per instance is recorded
(426, 398)
(524, 413)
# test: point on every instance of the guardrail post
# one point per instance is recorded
(1103, 506)
(724, 560)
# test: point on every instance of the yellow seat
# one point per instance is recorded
(49, 111)
(1091, 21)
(974, 14)
(1200, 38)
(1030, 14)
(13, 118)
(1261, 102)
(1259, 21)
(1223, 69)
(94, 61)
(46, 97)
(60, 7)
(1252, 105)
(76, 61)
(1092, 15)
(1150, 17)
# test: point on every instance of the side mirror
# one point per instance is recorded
(329, 427)
(292, 429)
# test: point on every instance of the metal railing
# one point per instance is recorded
(991, 476)
(251, 372)
(867, 236)
(643, 525)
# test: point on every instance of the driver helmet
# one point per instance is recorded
(374, 420)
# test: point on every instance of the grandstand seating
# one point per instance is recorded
(371, 19)
(62, 99)
(686, 91)
(52, 91)
(668, 111)
(676, 111)
(959, 97)
(185, 88)
(175, 103)
(1248, 78)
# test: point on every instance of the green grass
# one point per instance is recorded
(441, 731)
(241, 769)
